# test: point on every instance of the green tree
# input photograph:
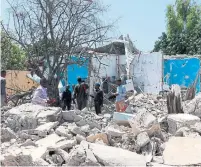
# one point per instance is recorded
(183, 34)
(12, 56)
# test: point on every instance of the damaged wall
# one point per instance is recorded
(181, 71)
(146, 70)
(18, 81)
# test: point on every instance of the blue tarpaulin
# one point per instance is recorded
(182, 71)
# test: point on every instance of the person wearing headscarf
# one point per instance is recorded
(98, 98)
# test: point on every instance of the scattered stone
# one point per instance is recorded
(7, 134)
(80, 138)
(42, 130)
(82, 122)
(111, 156)
(196, 127)
(85, 128)
(76, 130)
(50, 140)
(114, 132)
(68, 115)
(142, 139)
(182, 151)
(20, 160)
(122, 118)
(63, 131)
(101, 136)
(176, 121)
(66, 144)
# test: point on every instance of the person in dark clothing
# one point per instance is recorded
(67, 98)
(98, 98)
(80, 94)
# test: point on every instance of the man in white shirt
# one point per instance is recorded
(40, 94)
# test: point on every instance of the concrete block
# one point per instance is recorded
(122, 118)
(182, 151)
(142, 139)
(176, 121)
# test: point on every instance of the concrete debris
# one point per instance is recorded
(101, 136)
(182, 151)
(176, 121)
(142, 139)
(7, 134)
(147, 135)
(193, 106)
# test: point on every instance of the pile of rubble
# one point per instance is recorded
(146, 135)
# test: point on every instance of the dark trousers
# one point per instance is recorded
(97, 108)
(81, 104)
(66, 104)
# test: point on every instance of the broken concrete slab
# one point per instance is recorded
(122, 118)
(74, 129)
(111, 156)
(101, 136)
(50, 140)
(182, 151)
(82, 122)
(196, 127)
(80, 138)
(7, 134)
(176, 121)
(68, 115)
(20, 160)
(63, 131)
(193, 106)
(114, 132)
(29, 116)
(42, 130)
(144, 121)
(142, 139)
(66, 144)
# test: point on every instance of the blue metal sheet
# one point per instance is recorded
(74, 71)
(182, 72)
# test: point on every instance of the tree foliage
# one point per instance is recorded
(183, 34)
(12, 56)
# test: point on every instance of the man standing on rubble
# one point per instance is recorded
(80, 94)
(3, 88)
(120, 97)
(67, 98)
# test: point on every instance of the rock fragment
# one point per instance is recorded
(142, 139)
(7, 134)
(176, 121)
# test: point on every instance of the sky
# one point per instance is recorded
(143, 20)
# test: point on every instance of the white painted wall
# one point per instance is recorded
(109, 66)
(147, 72)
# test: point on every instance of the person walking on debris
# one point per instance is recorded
(67, 98)
(3, 88)
(40, 94)
(120, 97)
(80, 94)
(98, 98)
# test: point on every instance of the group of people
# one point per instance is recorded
(79, 95)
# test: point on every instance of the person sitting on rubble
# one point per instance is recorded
(67, 98)
(98, 98)
(40, 94)
(120, 97)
